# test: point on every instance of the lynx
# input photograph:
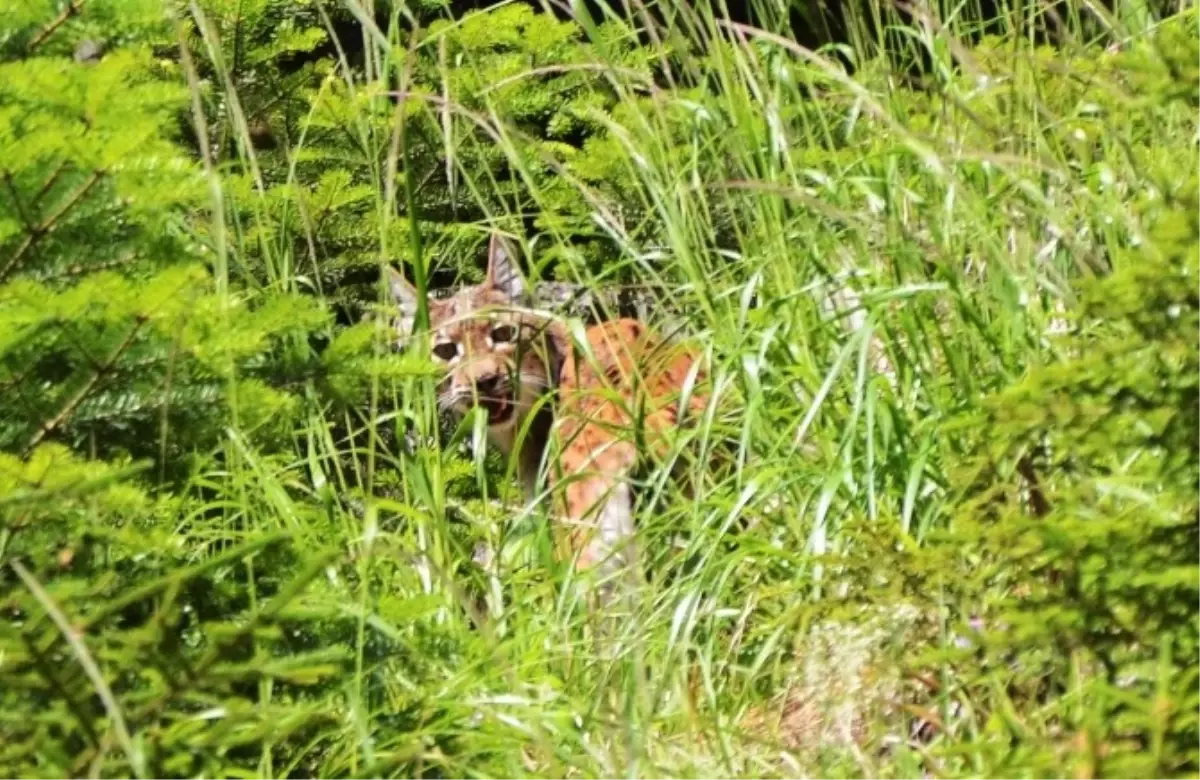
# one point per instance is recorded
(593, 409)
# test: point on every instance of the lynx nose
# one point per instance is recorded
(490, 385)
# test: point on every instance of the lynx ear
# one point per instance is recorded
(502, 273)
(406, 298)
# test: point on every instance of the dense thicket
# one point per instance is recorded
(954, 318)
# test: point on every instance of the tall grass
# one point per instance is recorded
(861, 261)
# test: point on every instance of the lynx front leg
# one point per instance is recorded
(599, 513)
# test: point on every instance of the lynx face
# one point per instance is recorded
(494, 354)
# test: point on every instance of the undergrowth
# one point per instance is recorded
(944, 272)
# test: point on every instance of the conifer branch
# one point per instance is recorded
(87, 661)
(72, 9)
(14, 388)
(35, 233)
(48, 183)
(1037, 499)
(49, 674)
(16, 199)
(74, 401)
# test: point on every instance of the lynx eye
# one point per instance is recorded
(447, 351)
(502, 334)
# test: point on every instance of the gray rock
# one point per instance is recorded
(88, 51)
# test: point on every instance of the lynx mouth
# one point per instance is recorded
(499, 408)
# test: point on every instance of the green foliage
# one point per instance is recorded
(115, 339)
(502, 104)
(1075, 542)
(1117, 421)
(180, 637)
(954, 324)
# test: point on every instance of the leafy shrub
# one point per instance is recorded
(957, 321)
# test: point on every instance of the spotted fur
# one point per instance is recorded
(594, 408)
